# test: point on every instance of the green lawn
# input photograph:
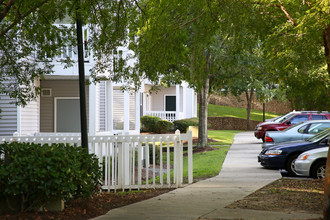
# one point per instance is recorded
(226, 111)
(208, 164)
(225, 137)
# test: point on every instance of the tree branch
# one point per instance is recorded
(192, 20)
(21, 17)
(287, 14)
(6, 9)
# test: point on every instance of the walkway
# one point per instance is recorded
(241, 175)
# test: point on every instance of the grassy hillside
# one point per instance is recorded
(226, 111)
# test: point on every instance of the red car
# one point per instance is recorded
(287, 120)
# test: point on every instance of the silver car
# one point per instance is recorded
(296, 132)
(312, 163)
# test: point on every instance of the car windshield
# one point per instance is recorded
(319, 136)
(285, 117)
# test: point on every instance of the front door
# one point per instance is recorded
(67, 115)
(170, 103)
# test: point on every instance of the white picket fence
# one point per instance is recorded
(126, 161)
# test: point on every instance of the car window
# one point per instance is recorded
(318, 127)
(319, 135)
(319, 117)
(291, 127)
(285, 117)
(298, 118)
(302, 129)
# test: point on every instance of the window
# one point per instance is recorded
(318, 127)
(299, 118)
(302, 129)
(318, 117)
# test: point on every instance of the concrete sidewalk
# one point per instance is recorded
(241, 175)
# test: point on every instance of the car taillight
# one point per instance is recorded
(269, 139)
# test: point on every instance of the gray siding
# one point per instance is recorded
(8, 116)
(60, 88)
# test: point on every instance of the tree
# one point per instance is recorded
(179, 40)
(297, 40)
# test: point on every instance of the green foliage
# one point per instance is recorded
(157, 154)
(164, 126)
(183, 124)
(148, 123)
(38, 174)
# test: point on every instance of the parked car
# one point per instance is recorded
(288, 120)
(312, 163)
(283, 156)
(301, 131)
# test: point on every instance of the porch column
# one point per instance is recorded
(18, 126)
(126, 111)
(177, 95)
(126, 132)
(137, 110)
(92, 109)
(184, 100)
(109, 106)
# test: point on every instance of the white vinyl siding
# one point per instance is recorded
(132, 111)
(29, 123)
(8, 116)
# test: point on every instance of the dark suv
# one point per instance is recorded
(287, 120)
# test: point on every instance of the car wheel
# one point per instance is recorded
(318, 170)
(289, 166)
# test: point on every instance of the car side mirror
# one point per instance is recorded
(288, 122)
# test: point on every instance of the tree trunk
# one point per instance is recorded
(326, 208)
(326, 43)
(248, 107)
(203, 102)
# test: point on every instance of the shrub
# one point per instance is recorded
(157, 154)
(148, 123)
(163, 126)
(33, 174)
(183, 124)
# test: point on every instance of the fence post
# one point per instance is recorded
(178, 161)
(190, 157)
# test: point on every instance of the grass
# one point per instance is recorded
(209, 163)
(226, 111)
(225, 137)
(206, 164)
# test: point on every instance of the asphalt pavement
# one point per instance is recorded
(240, 175)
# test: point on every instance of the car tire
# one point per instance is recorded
(318, 170)
(289, 165)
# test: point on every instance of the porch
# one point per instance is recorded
(170, 103)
